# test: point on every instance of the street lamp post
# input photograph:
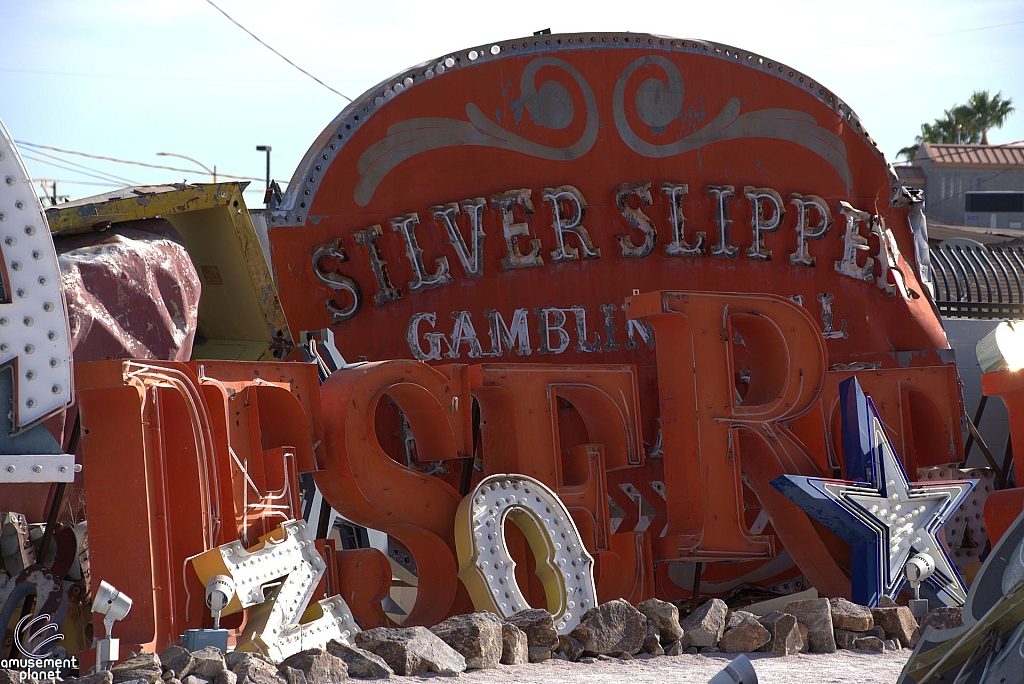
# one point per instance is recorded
(212, 172)
(266, 148)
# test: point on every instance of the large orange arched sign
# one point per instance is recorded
(502, 202)
(565, 214)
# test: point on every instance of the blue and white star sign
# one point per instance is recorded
(886, 519)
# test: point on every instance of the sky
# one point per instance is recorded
(128, 79)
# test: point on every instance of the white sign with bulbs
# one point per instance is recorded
(35, 351)
(486, 566)
(287, 563)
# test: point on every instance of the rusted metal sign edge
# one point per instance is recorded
(310, 171)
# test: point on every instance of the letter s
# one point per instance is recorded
(368, 487)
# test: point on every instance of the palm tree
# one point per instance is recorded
(989, 112)
(908, 152)
(967, 124)
(959, 125)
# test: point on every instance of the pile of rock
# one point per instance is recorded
(815, 625)
(482, 640)
(176, 665)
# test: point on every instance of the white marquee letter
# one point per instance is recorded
(488, 571)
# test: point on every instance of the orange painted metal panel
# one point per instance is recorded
(173, 456)
(491, 127)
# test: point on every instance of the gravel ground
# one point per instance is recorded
(841, 667)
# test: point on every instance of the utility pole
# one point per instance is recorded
(266, 148)
(50, 196)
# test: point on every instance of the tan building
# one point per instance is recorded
(970, 185)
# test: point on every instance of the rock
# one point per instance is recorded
(746, 637)
(253, 669)
(587, 659)
(177, 661)
(291, 675)
(850, 616)
(877, 631)
(168, 675)
(477, 636)
(652, 642)
(886, 602)
(142, 267)
(208, 662)
(816, 615)
(626, 656)
(535, 654)
(101, 677)
(145, 666)
(704, 627)
(319, 666)
(10, 677)
(769, 618)
(665, 615)
(612, 627)
(804, 638)
(514, 646)
(944, 617)
(538, 625)
(571, 647)
(785, 634)
(674, 649)
(735, 617)
(196, 679)
(361, 663)
(412, 650)
(845, 638)
(691, 650)
(870, 643)
(226, 677)
(892, 645)
(710, 649)
(233, 658)
(604, 657)
(898, 623)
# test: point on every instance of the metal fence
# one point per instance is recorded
(978, 281)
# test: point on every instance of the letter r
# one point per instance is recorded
(700, 407)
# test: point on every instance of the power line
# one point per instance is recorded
(212, 4)
(147, 77)
(910, 38)
(68, 168)
(77, 182)
(87, 168)
(115, 185)
(126, 161)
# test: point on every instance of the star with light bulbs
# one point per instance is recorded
(886, 519)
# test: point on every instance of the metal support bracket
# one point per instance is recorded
(38, 468)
